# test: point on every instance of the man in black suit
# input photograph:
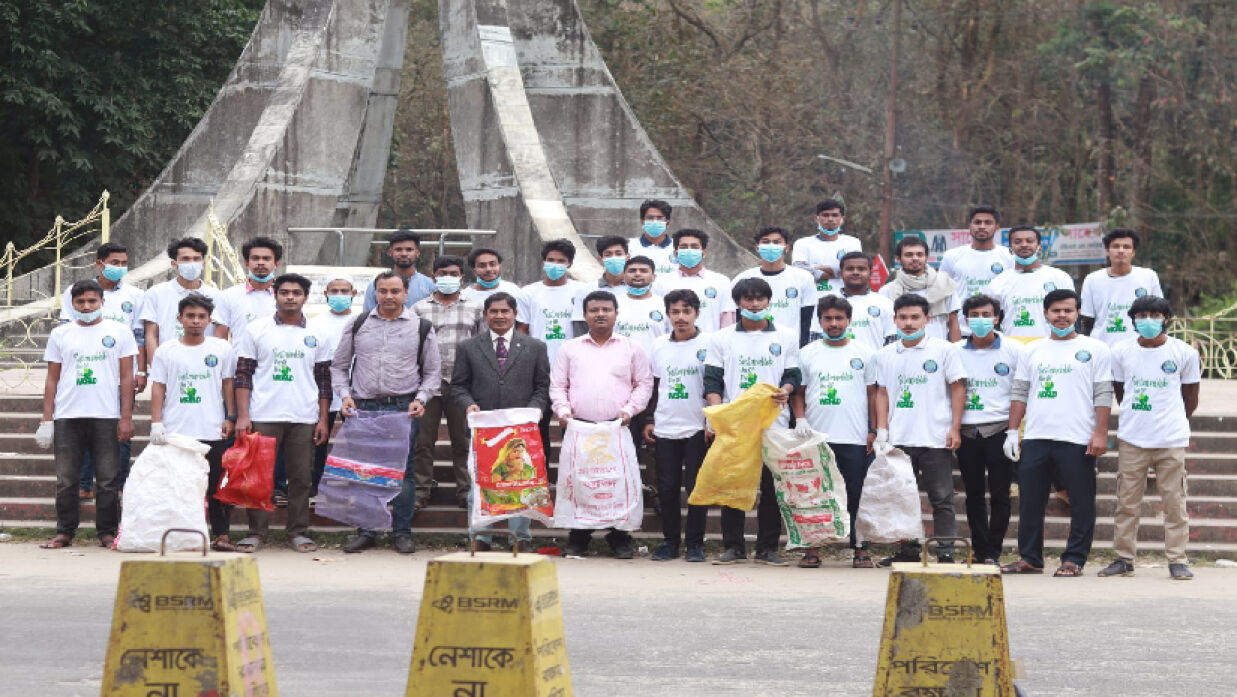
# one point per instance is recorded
(502, 369)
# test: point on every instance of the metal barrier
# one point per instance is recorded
(1214, 336)
(61, 233)
(442, 235)
(223, 267)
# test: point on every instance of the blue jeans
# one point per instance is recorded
(402, 507)
(522, 527)
(87, 483)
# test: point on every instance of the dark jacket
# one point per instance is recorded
(523, 382)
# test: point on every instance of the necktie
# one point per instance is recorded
(501, 351)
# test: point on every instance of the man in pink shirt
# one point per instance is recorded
(598, 377)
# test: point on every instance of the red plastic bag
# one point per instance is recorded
(249, 472)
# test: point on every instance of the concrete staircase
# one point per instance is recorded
(27, 486)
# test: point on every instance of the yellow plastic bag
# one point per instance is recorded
(730, 474)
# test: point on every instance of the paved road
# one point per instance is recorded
(344, 626)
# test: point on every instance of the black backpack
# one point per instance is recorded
(423, 330)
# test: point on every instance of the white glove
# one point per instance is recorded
(1012, 447)
(43, 436)
(804, 430)
(158, 434)
(881, 444)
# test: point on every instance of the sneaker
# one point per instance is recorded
(899, 557)
(1180, 572)
(1119, 567)
(403, 544)
(574, 551)
(358, 543)
(731, 556)
(694, 553)
(665, 552)
(771, 558)
(623, 551)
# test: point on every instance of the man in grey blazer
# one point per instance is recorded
(502, 369)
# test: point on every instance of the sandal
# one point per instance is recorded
(107, 541)
(57, 542)
(249, 545)
(302, 544)
(86, 494)
(1021, 567)
(862, 560)
(223, 543)
(1068, 569)
(810, 560)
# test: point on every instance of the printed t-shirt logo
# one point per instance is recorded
(679, 391)
(109, 341)
(656, 316)
(856, 363)
(792, 292)
(1001, 369)
(211, 360)
(997, 267)
(126, 306)
(775, 349)
(1140, 292)
(841, 253)
(1050, 286)
(554, 331)
(702, 354)
(874, 311)
(710, 292)
(930, 366)
(311, 341)
(1141, 403)
(1116, 325)
(1083, 356)
(974, 403)
(1168, 367)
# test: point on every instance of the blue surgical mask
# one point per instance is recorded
(654, 228)
(190, 270)
(87, 317)
(489, 284)
(912, 336)
(980, 326)
(771, 252)
(614, 265)
(339, 303)
(689, 257)
(447, 285)
(1148, 327)
(637, 291)
(262, 279)
(755, 316)
(826, 232)
(115, 273)
(1028, 261)
(554, 271)
(1059, 332)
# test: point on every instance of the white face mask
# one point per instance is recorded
(190, 271)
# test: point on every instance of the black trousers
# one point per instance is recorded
(853, 462)
(320, 453)
(1041, 461)
(71, 440)
(986, 472)
(615, 538)
(678, 461)
(218, 514)
(768, 520)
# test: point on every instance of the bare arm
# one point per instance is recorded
(880, 407)
(1017, 410)
(49, 391)
(957, 400)
(798, 403)
(955, 333)
(124, 429)
(158, 392)
(1189, 394)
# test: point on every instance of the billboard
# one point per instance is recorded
(1064, 245)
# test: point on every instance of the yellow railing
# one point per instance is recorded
(1214, 336)
(223, 266)
(59, 236)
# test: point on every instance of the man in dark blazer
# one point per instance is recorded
(502, 369)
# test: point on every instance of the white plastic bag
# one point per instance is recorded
(889, 509)
(507, 466)
(166, 489)
(810, 491)
(598, 478)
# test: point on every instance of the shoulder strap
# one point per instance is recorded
(356, 325)
(423, 329)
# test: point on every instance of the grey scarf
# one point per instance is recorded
(937, 287)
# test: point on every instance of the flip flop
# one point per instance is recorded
(862, 561)
(223, 543)
(249, 545)
(1068, 570)
(302, 544)
(1021, 567)
(810, 560)
(57, 542)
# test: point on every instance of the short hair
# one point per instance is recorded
(910, 241)
(990, 210)
(867, 258)
(599, 295)
(912, 300)
(1151, 303)
(261, 243)
(682, 295)
(691, 232)
(1039, 238)
(195, 300)
(834, 302)
(977, 301)
(384, 276)
(769, 230)
(193, 243)
(500, 296)
(751, 288)
(829, 204)
(447, 260)
(404, 235)
(608, 241)
(658, 204)
(640, 259)
(1060, 294)
(296, 278)
(87, 286)
(477, 252)
(1121, 232)
(563, 245)
(107, 249)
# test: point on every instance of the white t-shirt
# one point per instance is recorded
(679, 367)
(121, 304)
(747, 358)
(937, 326)
(577, 311)
(917, 381)
(973, 269)
(711, 287)
(836, 380)
(284, 390)
(159, 305)
(479, 296)
(871, 319)
(809, 252)
(89, 359)
(1062, 376)
(990, 378)
(332, 326)
(549, 310)
(793, 290)
(663, 257)
(1107, 299)
(641, 319)
(1021, 294)
(239, 306)
(1152, 409)
(194, 377)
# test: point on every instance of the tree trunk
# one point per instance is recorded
(1140, 189)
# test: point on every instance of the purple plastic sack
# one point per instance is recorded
(365, 469)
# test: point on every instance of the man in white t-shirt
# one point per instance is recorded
(821, 254)
(552, 301)
(917, 278)
(1156, 380)
(923, 415)
(1021, 290)
(487, 269)
(990, 360)
(1108, 293)
(710, 287)
(974, 266)
(253, 298)
(159, 305)
(341, 293)
(84, 412)
(871, 320)
(1063, 388)
(839, 382)
(752, 350)
(191, 394)
(794, 291)
(677, 428)
(653, 240)
(612, 253)
(641, 313)
(283, 390)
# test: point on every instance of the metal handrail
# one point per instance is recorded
(61, 233)
(442, 234)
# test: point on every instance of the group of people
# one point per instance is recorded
(993, 361)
